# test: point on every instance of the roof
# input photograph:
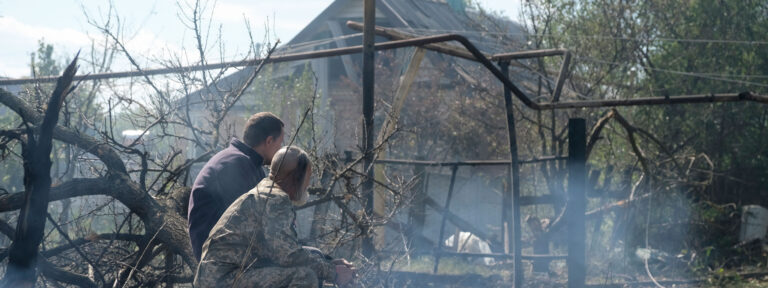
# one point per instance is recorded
(488, 33)
(424, 17)
(421, 17)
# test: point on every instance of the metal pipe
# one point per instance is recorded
(442, 225)
(681, 99)
(577, 202)
(369, 17)
(443, 164)
(394, 34)
(506, 218)
(477, 255)
(517, 241)
(528, 54)
(466, 163)
(288, 57)
(421, 41)
(684, 99)
(311, 55)
(541, 159)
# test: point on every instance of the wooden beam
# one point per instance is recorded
(388, 127)
(458, 51)
(390, 123)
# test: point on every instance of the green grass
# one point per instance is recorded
(448, 266)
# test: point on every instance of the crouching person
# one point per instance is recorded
(254, 243)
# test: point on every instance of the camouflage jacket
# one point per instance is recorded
(256, 231)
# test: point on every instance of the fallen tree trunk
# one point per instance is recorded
(168, 214)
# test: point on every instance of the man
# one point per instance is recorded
(254, 244)
(231, 173)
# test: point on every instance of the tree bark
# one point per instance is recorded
(36, 152)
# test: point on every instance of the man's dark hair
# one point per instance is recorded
(260, 126)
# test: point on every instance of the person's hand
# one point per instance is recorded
(344, 274)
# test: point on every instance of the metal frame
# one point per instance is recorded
(576, 210)
(516, 233)
(424, 42)
(467, 163)
(577, 203)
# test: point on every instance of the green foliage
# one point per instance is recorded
(656, 48)
(289, 96)
(43, 63)
(79, 106)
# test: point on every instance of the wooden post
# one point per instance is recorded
(369, 20)
(516, 223)
(577, 203)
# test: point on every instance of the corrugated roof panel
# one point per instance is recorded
(426, 17)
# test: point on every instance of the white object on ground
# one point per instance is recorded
(469, 243)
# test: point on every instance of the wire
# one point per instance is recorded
(684, 73)
(309, 44)
(710, 76)
(735, 76)
(602, 37)
(319, 42)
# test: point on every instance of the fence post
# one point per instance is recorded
(576, 207)
(369, 18)
(517, 241)
(447, 208)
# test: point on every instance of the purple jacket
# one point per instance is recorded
(227, 175)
